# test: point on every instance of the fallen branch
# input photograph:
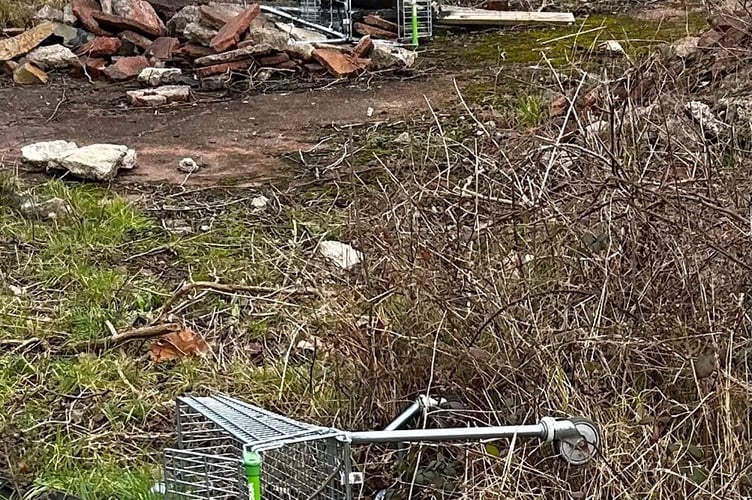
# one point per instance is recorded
(116, 339)
(225, 288)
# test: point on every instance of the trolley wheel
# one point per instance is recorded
(579, 451)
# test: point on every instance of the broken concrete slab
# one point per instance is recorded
(234, 55)
(162, 48)
(52, 57)
(41, 153)
(140, 11)
(155, 77)
(120, 23)
(126, 68)
(230, 34)
(337, 63)
(99, 162)
(10, 48)
(84, 11)
(164, 95)
(198, 33)
(218, 69)
(28, 74)
(100, 46)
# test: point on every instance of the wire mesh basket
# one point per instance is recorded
(229, 449)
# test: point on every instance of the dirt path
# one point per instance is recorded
(241, 140)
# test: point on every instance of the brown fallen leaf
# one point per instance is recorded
(177, 345)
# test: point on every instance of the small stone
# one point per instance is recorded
(100, 46)
(40, 153)
(259, 202)
(341, 254)
(403, 138)
(364, 47)
(612, 47)
(126, 68)
(99, 162)
(185, 16)
(72, 37)
(159, 76)
(8, 67)
(69, 17)
(10, 48)
(52, 57)
(703, 116)
(388, 55)
(48, 13)
(188, 165)
(93, 66)
(686, 47)
(54, 208)
(28, 74)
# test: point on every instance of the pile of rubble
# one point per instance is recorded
(202, 46)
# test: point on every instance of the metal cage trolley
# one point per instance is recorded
(229, 449)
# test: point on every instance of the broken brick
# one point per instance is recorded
(223, 68)
(28, 74)
(217, 15)
(230, 34)
(162, 48)
(126, 68)
(193, 51)
(364, 47)
(122, 24)
(100, 46)
(160, 95)
(374, 32)
(92, 66)
(136, 39)
(274, 60)
(380, 22)
(84, 10)
(335, 62)
(141, 12)
(235, 55)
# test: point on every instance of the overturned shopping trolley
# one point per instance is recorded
(229, 449)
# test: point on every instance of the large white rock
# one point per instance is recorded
(41, 153)
(52, 57)
(159, 76)
(99, 162)
(341, 254)
(389, 55)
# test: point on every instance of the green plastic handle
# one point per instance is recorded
(415, 23)
(252, 464)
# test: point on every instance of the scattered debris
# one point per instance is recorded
(52, 57)
(28, 74)
(188, 165)
(155, 77)
(259, 202)
(612, 48)
(10, 48)
(41, 153)
(403, 138)
(686, 47)
(99, 162)
(341, 254)
(54, 208)
(702, 114)
(177, 345)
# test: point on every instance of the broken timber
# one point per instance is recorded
(464, 16)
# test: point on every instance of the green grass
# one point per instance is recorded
(19, 13)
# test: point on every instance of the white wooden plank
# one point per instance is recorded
(464, 16)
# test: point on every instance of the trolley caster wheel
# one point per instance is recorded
(579, 450)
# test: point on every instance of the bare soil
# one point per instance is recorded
(241, 140)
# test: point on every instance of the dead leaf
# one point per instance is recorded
(705, 365)
(177, 345)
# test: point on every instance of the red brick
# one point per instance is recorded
(100, 46)
(126, 68)
(364, 47)
(223, 68)
(274, 60)
(143, 13)
(136, 39)
(162, 48)
(193, 51)
(94, 66)
(84, 10)
(380, 22)
(216, 15)
(374, 32)
(231, 32)
(122, 24)
(335, 62)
